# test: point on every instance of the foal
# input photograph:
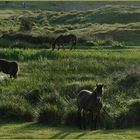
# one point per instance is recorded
(92, 102)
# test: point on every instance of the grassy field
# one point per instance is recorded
(38, 89)
(38, 131)
(41, 102)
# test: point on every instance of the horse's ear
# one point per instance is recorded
(97, 84)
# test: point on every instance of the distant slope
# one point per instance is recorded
(106, 14)
(121, 23)
(63, 5)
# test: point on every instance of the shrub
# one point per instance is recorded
(21, 39)
(51, 109)
(91, 43)
(130, 81)
(130, 116)
(70, 90)
(54, 99)
(34, 96)
(50, 113)
(60, 31)
(70, 117)
(107, 120)
(116, 44)
(15, 108)
(26, 24)
(82, 40)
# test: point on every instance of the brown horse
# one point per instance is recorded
(91, 102)
(9, 68)
(62, 39)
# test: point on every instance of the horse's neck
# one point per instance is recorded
(94, 94)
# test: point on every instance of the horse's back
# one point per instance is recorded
(83, 97)
(85, 92)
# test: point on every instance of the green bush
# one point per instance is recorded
(26, 24)
(70, 91)
(51, 109)
(130, 116)
(33, 97)
(70, 117)
(15, 108)
(91, 43)
(50, 113)
(130, 81)
(116, 44)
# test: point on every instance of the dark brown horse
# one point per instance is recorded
(91, 102)
(8, 67)
(62, 39)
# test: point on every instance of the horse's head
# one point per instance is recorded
(99, 90)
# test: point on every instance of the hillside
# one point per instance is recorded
(119, 23)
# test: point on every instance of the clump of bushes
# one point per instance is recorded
(70, 116)
(15, 108)
(130, 116)
(130, 81)
(33, 96)
(116, 44)
(70, 91)
(26, 24)
(51, 109)
(101, 42)
(50, 113)
(28, 38)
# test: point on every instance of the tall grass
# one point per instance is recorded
(50, 80)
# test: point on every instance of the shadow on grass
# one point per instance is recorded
(59, 131)
(62, 131)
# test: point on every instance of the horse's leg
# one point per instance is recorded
(84, 120)
(79, 119)
(91, 127)
(95, 123)
(15, 75)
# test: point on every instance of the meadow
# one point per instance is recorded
(41, 102)
(48, 84)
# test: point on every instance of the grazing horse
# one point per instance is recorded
(91, 102)
(62, 39)
(9, 68)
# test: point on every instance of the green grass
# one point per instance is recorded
(38, 131)
(46, 73)
(49, 81)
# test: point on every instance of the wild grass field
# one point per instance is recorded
(48, 84)
(41, 102)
